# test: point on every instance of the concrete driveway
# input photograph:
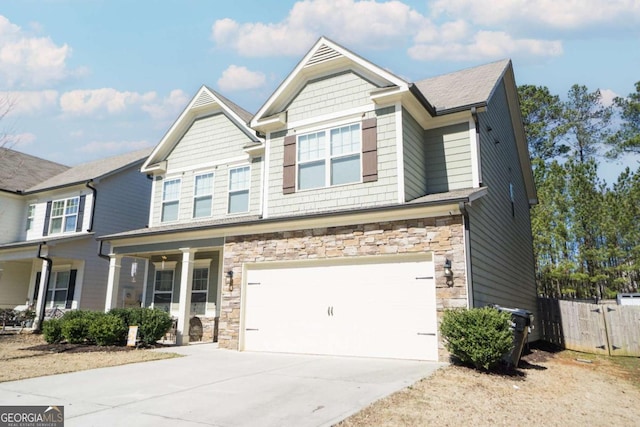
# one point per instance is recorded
(217, 387)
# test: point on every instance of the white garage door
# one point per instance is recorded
(371, 310)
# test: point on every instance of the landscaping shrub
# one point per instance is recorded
(152, 324)
(52, 331)
(479, 336)
(75, 325)
(108, 329)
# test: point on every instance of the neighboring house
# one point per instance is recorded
(50, 216)
(346, 215)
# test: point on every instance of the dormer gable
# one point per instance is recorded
(205, 103)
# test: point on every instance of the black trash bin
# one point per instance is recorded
(521, 326)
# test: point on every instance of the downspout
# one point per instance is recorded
(467, 251)
(100, 254)
(88, 184)
(49, 261)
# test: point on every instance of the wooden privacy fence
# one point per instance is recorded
(608, 329)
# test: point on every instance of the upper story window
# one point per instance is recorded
(239, 182)
(64, 215)
(329, 157)
(170, 200)
(31, 212)
(202, 195)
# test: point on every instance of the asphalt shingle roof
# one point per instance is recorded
(91, 170)
(463, 88)
(19, 171)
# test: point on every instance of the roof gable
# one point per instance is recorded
(206, 102)
(19, 171)
(324, 58)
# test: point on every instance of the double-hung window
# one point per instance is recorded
(57, 291)
(239, 182)
(31, 213)
(199, 288)
(329, 157)
(64, 215)
(202, 195)
(170, 200)
(163, 289)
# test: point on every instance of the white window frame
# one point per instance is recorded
(52, 288)
(173, 200)
(239, 190)
(328, 157)
(160, 267)
(200, 264)
(197, 197)
(31, 213)
(64, 216)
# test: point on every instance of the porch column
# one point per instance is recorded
(113, 282)
(42, 293)
(184, 306)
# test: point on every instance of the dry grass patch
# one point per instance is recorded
(18, 363)
(550, 389)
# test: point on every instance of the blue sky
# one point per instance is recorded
(94, 78)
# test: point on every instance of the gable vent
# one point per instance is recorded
(323, 54)
(203, 99)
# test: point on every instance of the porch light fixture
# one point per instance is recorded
(230, 280)
(448, 273)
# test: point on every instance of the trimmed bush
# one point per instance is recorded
(479, 336)
(108, 329)
(152, 324)
(75, 330)
(52, 331)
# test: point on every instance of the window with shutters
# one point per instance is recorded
(58, 289)
(329, 157)
(64, 215)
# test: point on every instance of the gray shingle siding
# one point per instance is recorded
(448, 158)
(415, 173)
(501, 243)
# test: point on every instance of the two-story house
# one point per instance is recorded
(346, 215)
(49, 256)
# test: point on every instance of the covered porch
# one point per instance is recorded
(181, 277)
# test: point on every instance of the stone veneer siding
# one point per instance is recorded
(442, 235)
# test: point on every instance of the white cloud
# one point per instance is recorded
(114, 147)
(607, 96)
(169, 107)
(28, 61)
(354, 23)
(105, 100)
(30, 102)
(240, 78)
(486, 45)
(563, 15)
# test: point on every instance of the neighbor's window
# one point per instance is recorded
(330, 157)
(200, 286)
(57, 291)
(239, 181)
(163, 290)
(203, 195)
(31, 212)
(170, 200)
(64, 215)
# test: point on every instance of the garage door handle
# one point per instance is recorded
(427, 333)
(329, 311)
(332, 310)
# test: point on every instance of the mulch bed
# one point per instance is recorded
(83, 348)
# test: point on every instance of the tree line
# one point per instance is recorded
(585, 231)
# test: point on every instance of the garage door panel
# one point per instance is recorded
(371, 310)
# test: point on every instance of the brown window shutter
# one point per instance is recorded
(370, 150)
(289, 172)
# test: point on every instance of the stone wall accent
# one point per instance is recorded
(442, 235)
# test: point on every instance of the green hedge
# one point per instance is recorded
(80, 326)
(478, 336)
